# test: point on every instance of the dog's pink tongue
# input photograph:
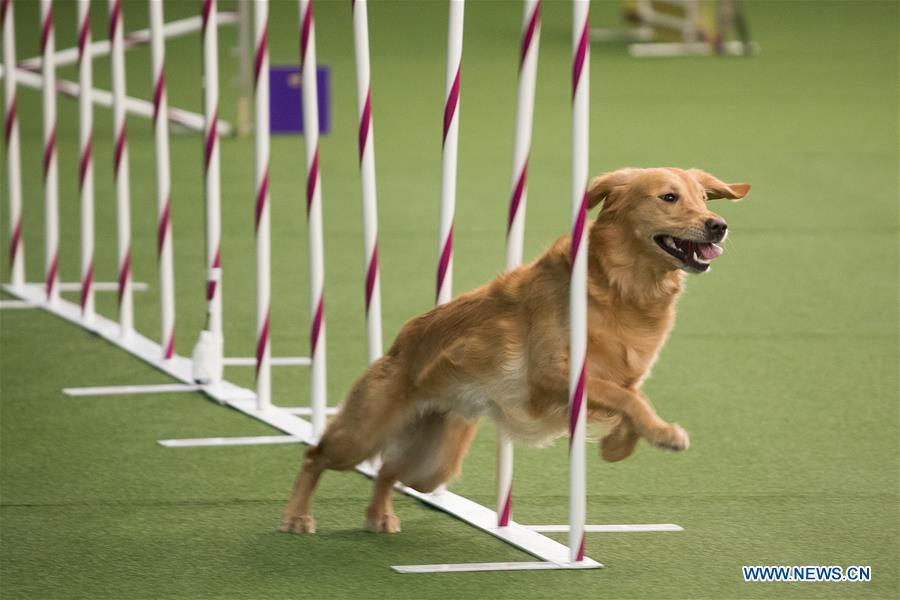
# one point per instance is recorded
(709, 251)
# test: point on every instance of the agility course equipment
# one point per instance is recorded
(515, 227)
(258, 404)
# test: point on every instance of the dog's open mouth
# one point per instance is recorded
(694, 255)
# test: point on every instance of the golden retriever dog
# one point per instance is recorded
(502, 350)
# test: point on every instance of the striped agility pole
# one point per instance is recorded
(578, 282)
(13, 152)
(367, 177)
(211, 167)
(444, 286)
(163, 182)
(263, 258)
(120, 169)
(51, 176)
(86, 160)
(515, 229)
(313, 214)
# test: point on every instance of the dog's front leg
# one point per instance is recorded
(604, 395)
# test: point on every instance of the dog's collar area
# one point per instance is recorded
(694, 255)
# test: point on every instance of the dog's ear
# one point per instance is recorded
(716, 189)
(607, 184)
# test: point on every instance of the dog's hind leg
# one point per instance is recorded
(426, 453)
(374, 409)
(380, 517)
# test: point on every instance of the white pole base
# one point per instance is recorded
(131, 390)
(275, 361)
(306, 411)
(495, 566)
(15, 304)
(101, 286)
(257, 440)
(630, 528)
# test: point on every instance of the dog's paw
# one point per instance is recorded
(672, 437)
(618, 445)
(298, 524)
(388, 523)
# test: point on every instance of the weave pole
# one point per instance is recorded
(163, 182)
(51, 176)
(578, 282)
(313, 214)
(13, 152)
(449, 153)
(515, 229)
(367, 177)
(86, 162)
(208, 361)
(120, 168)
(263, 258)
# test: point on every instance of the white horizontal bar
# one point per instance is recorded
(135, 106)
(608, 528)
(130, 390)
(674, 49)
(307, 411)
(69, 56)
(495, 566)
(256, 440)
(102, 286)
(276, 361)
(6, 304)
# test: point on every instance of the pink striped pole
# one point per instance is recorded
(263, 259)
(515, 231)
(120, 166)
(578, 282)
(313, 214)
(13, 153)
(367, 177)
(450, 144)
(211, 165)
(163, 182)
(51, 177)
(86, 164)
(208, 352)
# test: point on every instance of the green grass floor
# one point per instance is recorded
(783, 365)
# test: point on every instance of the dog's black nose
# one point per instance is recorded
(716, 227)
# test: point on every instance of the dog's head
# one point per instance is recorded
(664, 213)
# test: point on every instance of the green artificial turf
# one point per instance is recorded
(783, 365)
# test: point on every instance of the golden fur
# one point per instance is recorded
(502, 350)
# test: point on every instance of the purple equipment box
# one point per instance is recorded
(286, 104)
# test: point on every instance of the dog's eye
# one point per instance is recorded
(670, 197)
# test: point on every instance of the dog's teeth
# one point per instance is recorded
(700, 259)
(670, 242)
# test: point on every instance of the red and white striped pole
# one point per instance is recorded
(211, 166)
(13, 152)
(450, 143)
(120, 166)
(367, 176)
(51, 177)
(515, 230)
(208, 362)
(313, 214)
(578, 282)
(86, 162)
(163, 181)
(263, 258)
